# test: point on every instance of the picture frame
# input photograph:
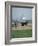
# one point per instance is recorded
(8, 11)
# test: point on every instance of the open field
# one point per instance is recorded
(21, 31)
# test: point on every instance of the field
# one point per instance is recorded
(21, 31)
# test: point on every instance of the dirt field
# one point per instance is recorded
(22, 27)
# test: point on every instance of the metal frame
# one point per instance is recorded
(8, 5)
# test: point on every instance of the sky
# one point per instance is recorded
(21, 14)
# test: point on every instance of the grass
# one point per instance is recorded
(21, 33)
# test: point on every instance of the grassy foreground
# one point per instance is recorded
(21, 33)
